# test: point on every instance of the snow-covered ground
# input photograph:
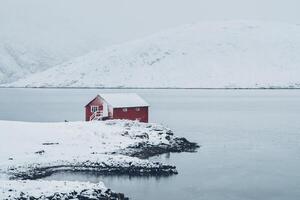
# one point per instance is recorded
(36, 189)
(34, 150)
(24, 144)
(226, 54)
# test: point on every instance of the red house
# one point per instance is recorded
(117, 106)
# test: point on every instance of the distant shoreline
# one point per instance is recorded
(159, 88)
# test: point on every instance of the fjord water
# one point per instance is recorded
(250, 140)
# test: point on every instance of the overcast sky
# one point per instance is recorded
(114, 21)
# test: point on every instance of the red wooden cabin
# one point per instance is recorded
(117, 106)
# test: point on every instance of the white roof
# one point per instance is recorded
(124, 100)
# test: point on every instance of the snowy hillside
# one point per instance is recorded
(18, 60)
(208, 55)
(36, 35)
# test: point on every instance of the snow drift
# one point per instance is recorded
(231, 54)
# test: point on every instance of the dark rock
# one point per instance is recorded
(169, 132)
(143, 136)
(50, 143)
(125, 133)
(40, 152)
(144, 150)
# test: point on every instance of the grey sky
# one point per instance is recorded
(114, 21)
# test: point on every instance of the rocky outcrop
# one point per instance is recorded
(145, 150)
(155, 169)
(86, 194)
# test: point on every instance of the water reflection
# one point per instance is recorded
(96, 177)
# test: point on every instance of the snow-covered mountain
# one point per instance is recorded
(206, 55)
(36, 35)
(18, 60)
(38, 48)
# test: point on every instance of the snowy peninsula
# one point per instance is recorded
(30, 151)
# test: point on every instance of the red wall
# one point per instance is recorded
(131, 114)
(118, 113)
(95, 102)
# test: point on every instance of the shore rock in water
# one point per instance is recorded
(145, 150)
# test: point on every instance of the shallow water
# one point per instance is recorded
(250, 140)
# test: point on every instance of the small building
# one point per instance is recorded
(117, 106)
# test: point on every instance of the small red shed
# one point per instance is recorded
(117, 106)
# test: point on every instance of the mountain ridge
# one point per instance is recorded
(228, 54)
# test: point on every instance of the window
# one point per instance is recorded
(94, 109)
(137, 109)
(124, 109)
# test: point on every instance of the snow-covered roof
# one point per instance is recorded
(123, 100)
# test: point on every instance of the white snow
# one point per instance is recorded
(207, 55)
(37, 35)
(38, 188)
(71, 142)
(123, 100)
(27, 145)
(21, 57)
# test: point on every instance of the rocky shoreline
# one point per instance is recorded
(86, 194)
(131, 143)
(140, 150)
(56, 190)
(97, 168)
(144, 150)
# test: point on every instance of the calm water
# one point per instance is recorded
(250, 140)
